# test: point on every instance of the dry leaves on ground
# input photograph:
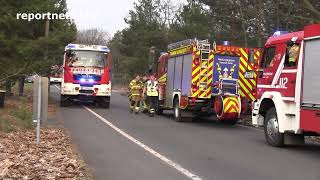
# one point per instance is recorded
(53, 158)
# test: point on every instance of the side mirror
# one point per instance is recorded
(249, 74)
(69, 53)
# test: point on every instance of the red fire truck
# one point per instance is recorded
(86, 74)
(288, 96)
(194, 77)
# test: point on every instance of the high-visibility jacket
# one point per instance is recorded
(293, 53)
(135, 88)
(152, 88)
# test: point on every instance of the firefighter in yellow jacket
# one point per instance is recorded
(293, 50)
(135, 88)
(151, 89)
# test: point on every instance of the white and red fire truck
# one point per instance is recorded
(288, 95)
(86, 74)
(197, 78)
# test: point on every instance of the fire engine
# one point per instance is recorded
(86, 74)
(288, 96)
(195, 77)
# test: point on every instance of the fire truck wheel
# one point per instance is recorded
(271, 129)
(105, 105)
(177, 110)
(64, 101)
(105, 102)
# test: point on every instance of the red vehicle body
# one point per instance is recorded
(288, 96)
(205, 80)
(86, 74)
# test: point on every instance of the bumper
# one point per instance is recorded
(55, 80)
(257, 119)
(71, 89)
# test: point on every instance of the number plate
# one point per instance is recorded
(86, 88)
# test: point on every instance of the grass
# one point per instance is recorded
(5, 126)
(24, 116)
(16, 114)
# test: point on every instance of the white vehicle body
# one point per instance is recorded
(288, 102)
(55, 80)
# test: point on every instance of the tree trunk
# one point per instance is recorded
(243, 24)
(21, 85)
(8, 87)
(260, 31)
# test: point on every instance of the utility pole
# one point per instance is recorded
(46, 31)
(46, 34)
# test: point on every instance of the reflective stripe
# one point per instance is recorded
(152, 90)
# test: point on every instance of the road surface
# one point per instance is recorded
(118, 145)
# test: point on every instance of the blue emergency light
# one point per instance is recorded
(105, 49)
(71, 46)
(226, 43)
(278, 33)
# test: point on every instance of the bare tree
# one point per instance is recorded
(93, 36)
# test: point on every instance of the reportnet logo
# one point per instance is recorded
(42, 16)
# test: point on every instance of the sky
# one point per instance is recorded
(103, 14)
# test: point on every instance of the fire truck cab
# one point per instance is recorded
(288, 95)
(86, 74)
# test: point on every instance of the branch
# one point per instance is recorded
(306, 18)
(15, 74)
(311, 8)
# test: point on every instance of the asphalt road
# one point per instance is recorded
(207, 149)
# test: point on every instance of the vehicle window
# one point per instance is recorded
(292, 53)
(268, 57)
(88, 59)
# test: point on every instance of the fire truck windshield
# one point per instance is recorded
(87, 59)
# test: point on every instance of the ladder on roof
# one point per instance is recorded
(204, 47)
(188, 42)
(180, 44)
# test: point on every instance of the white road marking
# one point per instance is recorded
(178, 167)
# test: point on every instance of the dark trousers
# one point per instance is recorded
(153, 103)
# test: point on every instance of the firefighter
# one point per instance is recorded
(293, 50)
(135, 88)
(144, 99)
(151, 90)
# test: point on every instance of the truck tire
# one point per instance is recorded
(177, 110)
(105, 102)
(64, 101)
(271, 129)
(105, 105)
